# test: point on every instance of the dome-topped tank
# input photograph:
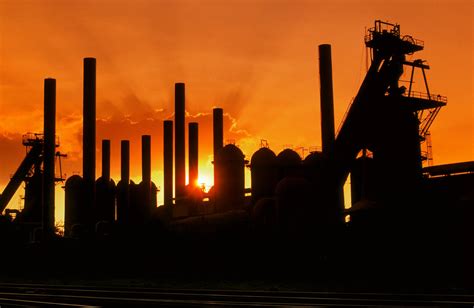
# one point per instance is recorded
(73, 207)
(313, 159)
(264, 156)
(313, 167)
(263, 166)
(288, 157)
(105, 200)
(229, 181)
(289, 163)
(230, 153)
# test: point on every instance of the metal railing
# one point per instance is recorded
(424, 95)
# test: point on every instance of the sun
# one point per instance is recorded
(206, 181)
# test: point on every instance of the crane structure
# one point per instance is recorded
(30, 172)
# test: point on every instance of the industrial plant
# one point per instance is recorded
(404, 212)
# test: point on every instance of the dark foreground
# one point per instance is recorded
(121, 294)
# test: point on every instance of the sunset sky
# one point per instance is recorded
(256, 59)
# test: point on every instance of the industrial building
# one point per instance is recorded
(292, 200)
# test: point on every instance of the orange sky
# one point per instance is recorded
(256, 59)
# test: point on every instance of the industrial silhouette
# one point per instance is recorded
(402, 215)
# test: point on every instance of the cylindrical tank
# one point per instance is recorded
(289, 164)
(265, 217)
(229, 182)
(73, 207)
(294, 200)
(313, 165)
(105, 189)
(105, 199)
(263, 166)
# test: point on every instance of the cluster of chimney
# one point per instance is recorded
(86, 197)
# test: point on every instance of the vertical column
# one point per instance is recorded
(49, 153)
(218, 129)
(106, 160)
(168, 162)
(180, 171)
(327, 100)
(89, 134)
(146, 173)
(125, 161)
(193, 153)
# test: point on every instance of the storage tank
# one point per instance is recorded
(294, 200)
(74, 203)
(263, 166)
(229, 182)
(313, 166)
(105, 189)
(105, 199)
(289, 164)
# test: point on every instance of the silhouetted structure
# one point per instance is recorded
(229, 177)
(193, 156)
(49, 154)
(179, 158)
(327, 100)
(88, 154)
(398, 208)
(218, 129)
(74, 204)
(289, 164)
(123, 186)
(168, 163)
(264, 174)
(105, 189)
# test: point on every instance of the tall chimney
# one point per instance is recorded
(193, 153)
(327, 100)
(168, 162)
(49, 153)
(125, 161)
(123, 187)
(146, 158)
(88, 138)
(106, 160)
(180, 171)
(146, 175)
(218, 129)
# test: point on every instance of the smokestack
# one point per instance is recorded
(193, 153)
(88, 141)
(218, 129)
(327, 100)
(49, 153)
(106, 160)
(180, 171)
(125, 161)
(146, 176)
(146, 158)
(123, 187)
(168, 162)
